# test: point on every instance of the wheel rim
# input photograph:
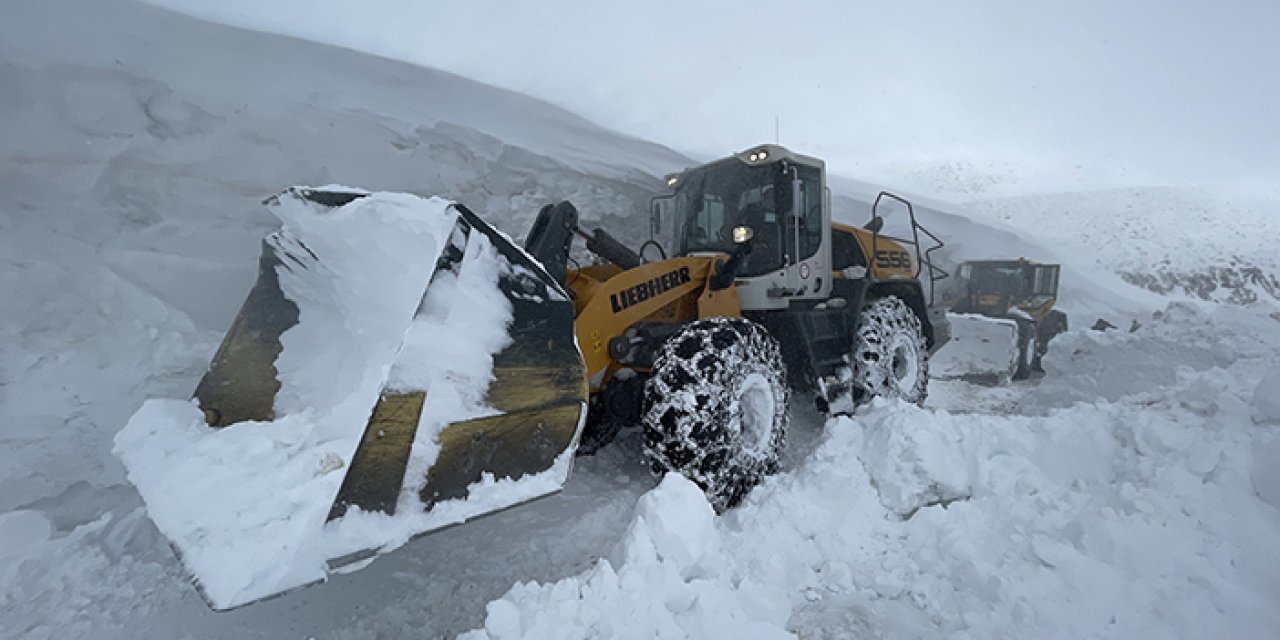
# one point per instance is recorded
(906, 365)
(756, 407)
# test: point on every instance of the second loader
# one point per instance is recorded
(1007, 305)
(472, 369)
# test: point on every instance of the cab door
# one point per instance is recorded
(808, 233)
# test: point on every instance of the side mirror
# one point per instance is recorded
(876, 224)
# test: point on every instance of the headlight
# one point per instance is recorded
(743, 234)
(672, 180)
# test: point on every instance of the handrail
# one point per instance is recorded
(924, 259)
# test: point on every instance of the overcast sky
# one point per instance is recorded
(1053, 94)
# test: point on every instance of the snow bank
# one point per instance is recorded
(916, 463)
(1266, 412)
(110, 549)
(673, 554)
(1181, 339)
(246, 505)
(1266, 397)
(1137, 517)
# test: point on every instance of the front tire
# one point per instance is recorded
(715, 409)
(890, 354)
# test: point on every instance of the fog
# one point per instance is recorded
(938, 96)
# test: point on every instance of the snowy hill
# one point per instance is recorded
(136, 159)
(1119, 514)
(1180, 241)
(135, 147)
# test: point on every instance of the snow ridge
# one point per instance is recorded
(1132, 518)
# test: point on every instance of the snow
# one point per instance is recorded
(367, 266)
(1266, 397)
(21, 530)
(1130, 518)
(1133, 481)
(666, 585)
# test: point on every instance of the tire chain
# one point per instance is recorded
(685, 424)
(882, 319)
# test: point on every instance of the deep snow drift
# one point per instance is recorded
(1134, 513)
(135, 148)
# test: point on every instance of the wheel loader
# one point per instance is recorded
(1020, 291)
(745, 293)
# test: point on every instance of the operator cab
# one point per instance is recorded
(780, 197)
(1024, 283)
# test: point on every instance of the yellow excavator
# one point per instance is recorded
(745, 292)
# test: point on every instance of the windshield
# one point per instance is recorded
(713, 200)
(1010, 281)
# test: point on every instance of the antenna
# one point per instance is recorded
(777, 136)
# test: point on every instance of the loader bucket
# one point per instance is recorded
(982, 350)
(399, 366)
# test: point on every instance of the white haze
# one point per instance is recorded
(1055, 95)
(1132, 492)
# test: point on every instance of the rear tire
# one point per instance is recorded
(890, 354)
(715, 410)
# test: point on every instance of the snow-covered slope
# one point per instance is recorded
(135, 146)
(1088, 290)
(1180, 241)
(161, 117)
(135, 158)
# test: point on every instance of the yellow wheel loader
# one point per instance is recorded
(470, 370)
(761, 288)
(1020, 291)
